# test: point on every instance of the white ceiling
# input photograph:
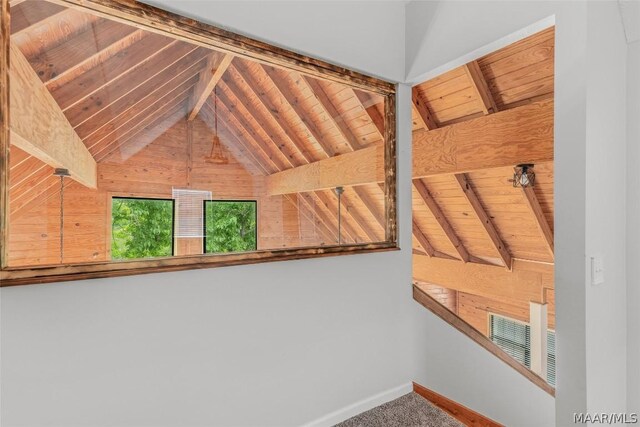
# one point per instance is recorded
(630, 11)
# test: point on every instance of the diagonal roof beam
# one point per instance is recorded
(422, 239)
(424, 115)
(485, 220)
(209, 77)
(540, 219)
(481, 87)
(422, 189)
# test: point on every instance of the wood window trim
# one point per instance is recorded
(159, 21)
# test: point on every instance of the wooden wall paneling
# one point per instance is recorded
(448, 298)
(5, 28)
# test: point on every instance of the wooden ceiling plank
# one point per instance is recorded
(55, 61)
(279, 82)
(177, 72)
(39, 127)
(424, 115)
(487, 223)
(533, 205)
(144, 109)
(24, 17)
(481, 87)
(209, 77)
(372, 111)
(332, 112)
(422, 189)
(273, 109)
(86, 84)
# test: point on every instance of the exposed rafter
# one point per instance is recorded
(217, 65)
(485, 220)
(481, 88)
(541, 221)
(437, 213)
(422, 239)
(39, 127)
(424, 115)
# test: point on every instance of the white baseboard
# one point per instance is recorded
(361, 406)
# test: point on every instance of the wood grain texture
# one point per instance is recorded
(467, 416)
(358, 167)
(507, 138)
(441, 219)
(209, 77)
(541, 221)
(39, 127)
(485, 220)
(432, 305)
(480, 279)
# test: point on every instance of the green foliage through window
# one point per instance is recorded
(141, 228)
(230, 226)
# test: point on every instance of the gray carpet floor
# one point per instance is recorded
(410, 410)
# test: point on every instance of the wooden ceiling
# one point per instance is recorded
(115, 83)
(479, 216)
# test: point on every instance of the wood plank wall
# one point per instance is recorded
(150, 166)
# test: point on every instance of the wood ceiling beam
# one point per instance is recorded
(357, 167)
(22, 22)
(483, 280)
(485, 220)
(533, 204)
(209, 77)
(424, 115)
(441, 219)
(481, 87)
(39, 127)
(507, 138)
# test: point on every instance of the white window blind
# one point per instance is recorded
(189, 211)
(514, 338)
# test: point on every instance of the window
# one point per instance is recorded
(137, 112)
(514, 338)
(230, 226)
(141, 228)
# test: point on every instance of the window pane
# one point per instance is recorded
(513, 337)
(141, 228)
(230, 226)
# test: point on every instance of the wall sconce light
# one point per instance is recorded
(524, 176)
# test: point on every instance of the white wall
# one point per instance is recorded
(367, 37)
(633, 227)
(605, 208)
(272, 344)
(469, 30)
